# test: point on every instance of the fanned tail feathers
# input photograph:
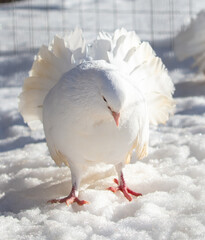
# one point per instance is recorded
(190, 42)
(124, 49)
(48, 67)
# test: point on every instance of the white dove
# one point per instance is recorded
(96, 101)
(190, 42)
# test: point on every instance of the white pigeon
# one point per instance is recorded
(96, 101)
(190, 42)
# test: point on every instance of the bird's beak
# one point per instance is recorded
(116, 117)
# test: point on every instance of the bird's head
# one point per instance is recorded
(110, 97)
(113, 95)
(103, 93)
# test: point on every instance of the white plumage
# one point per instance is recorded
(190, 42)
(96, 101)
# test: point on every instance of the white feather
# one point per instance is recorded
(147, 71)
(48, 67)
(190, 42)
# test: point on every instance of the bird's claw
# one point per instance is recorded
(124, 189)
(69, 200)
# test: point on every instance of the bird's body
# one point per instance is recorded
(93, 132)
(97, 110)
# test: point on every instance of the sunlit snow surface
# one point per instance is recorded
(171, 178)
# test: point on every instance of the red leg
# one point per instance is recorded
(123, 188)
(71, 198)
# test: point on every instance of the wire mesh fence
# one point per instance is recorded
(34, 22)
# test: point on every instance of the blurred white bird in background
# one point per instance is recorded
(190, 42)
(96, 101)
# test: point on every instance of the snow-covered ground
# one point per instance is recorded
(171, 178)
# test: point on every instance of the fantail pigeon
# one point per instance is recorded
(96, 101)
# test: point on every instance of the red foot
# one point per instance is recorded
(124, 189)
(68, 200)
(71, 198)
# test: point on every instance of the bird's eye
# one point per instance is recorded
(104, 99)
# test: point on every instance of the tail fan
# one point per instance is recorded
(137, 59)
(48, 67)
(190, 42)
(124, 49)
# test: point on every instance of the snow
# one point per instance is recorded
(171, 178)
